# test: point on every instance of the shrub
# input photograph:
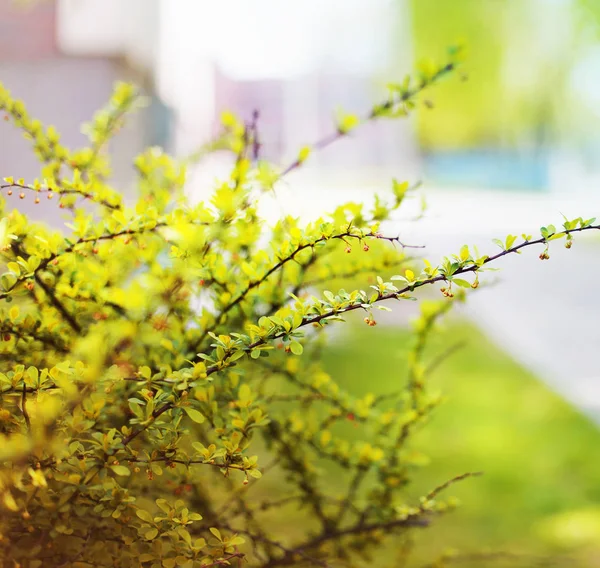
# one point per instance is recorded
(160, 358)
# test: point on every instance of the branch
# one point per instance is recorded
(87, 240)
(435, 492)
(433, 365)
(376, 112)
(24, 408)
(278, 545)
(288, 557)
(48, 340)
(59, 305)
(397, 295)
(62, 191)
(164, 408)
(382, 297)
(282, 262)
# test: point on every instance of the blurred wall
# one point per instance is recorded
(62, 90)
(27, 34)
(295, 63)
(110, 28)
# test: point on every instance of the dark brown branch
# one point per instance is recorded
(164, 408)
(282, 262)
(70, 319)
(382, 297)
(64, 191)
(409, 288)
(288, 558)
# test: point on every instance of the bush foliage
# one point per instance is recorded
(162, 356)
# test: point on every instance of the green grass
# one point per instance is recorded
(539, 455)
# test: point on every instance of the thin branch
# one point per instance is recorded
(282, 262)
(24, 408)
(70, 319)
(161, 410)
(353, 488)
(376, 112)
(435, 492)
(382, 297)
(64, 191)
(415, 521)
(433, 365)
(89, 240)
(274, 543)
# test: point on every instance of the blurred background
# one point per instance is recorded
(508, 150)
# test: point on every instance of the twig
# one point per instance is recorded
(435, 492)
(58, 305)
(375, 112)
(381, 297)
(24, 408)
(433, 365)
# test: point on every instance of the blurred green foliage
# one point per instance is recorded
(540, 476)
(521, 56)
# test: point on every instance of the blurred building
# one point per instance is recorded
(294, 63)
(526, 124)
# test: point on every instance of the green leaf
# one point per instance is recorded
(194, 414)
(296, 348)
(144, 515)
(510, 240)
(121, 470)
(8, 280)
(185, 535)
(244, 393)
(464, 253)
(348, 122)
(236, 355)
(14, 267)
(216, 533)
(151, 534)
(588, 222)
(462, 283)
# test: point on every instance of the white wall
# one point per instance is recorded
(109, 28)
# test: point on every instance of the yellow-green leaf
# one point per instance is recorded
(194, 414)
